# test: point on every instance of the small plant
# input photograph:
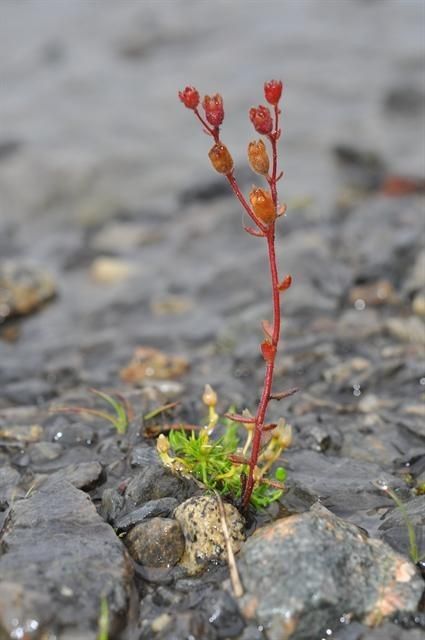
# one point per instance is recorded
(414, 553)
(220, 463)
(120, 419)
(263, 209)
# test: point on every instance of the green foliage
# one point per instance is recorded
(209, 460)
(414, 553)
(120, 419)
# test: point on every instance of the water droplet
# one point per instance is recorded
(422, 381)
(356, 390)
(359, 304)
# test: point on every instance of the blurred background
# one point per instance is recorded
(111, 214)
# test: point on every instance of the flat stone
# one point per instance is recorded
(394, 529)
(60, 557)
(153, 508)
(82, 475)
(302, 572)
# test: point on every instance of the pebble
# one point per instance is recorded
(158, 542)
(23, 289)
(200, 520)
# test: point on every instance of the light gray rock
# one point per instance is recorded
(302, 572)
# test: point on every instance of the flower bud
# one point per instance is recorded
(261, 119)
(258, 157)
(262, 204)
(209, 397)
(214, 111)
(190, 97)
(273, 91)
(220, 158)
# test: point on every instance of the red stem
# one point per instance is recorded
(268, 376)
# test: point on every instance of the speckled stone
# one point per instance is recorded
(301, 573)
(158, 542)
(200, 520)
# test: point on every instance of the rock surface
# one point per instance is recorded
(158, 542)
(202, 527)
(57, 554)
(300, 573)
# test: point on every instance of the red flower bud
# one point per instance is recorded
(261, 119)
(214, 111)
(273, 91)
(189, 97)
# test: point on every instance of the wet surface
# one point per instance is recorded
(123, 242)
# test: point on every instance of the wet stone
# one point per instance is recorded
(158, 542)
(44, 452)
(342, 484)
(88, 563)
(9, 479)
(301, 572)
(153, 508)
(155, 482)
(200, 520)
(394, 529)
(82, 475)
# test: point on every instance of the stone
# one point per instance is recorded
(200, 520)
(152, 363)
(82, 475)
(395, 527)
(302, 572)
(58, 557)
(158, 542)
(155, 482)
(153, 508)
(23, 289)
(106, 270)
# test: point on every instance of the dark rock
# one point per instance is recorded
(82, 475)
(153, 508)
(58, 557)
(301, 572)
(158, 542)
(341, 484)
(155, 482)
(9, 479)
(112, 503)
(44, 452)
(395, 528)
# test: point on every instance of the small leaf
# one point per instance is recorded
(285, 284)
(280, 474)
(267, 328)
(254, 232)
(268, 350)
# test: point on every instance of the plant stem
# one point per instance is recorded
(270, 235)
(268, 376)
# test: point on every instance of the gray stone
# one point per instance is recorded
(152, 483)
(395, 528)
(82, 475)
(302, 572)
(59, 557)
(153, 508)
(158, 542)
